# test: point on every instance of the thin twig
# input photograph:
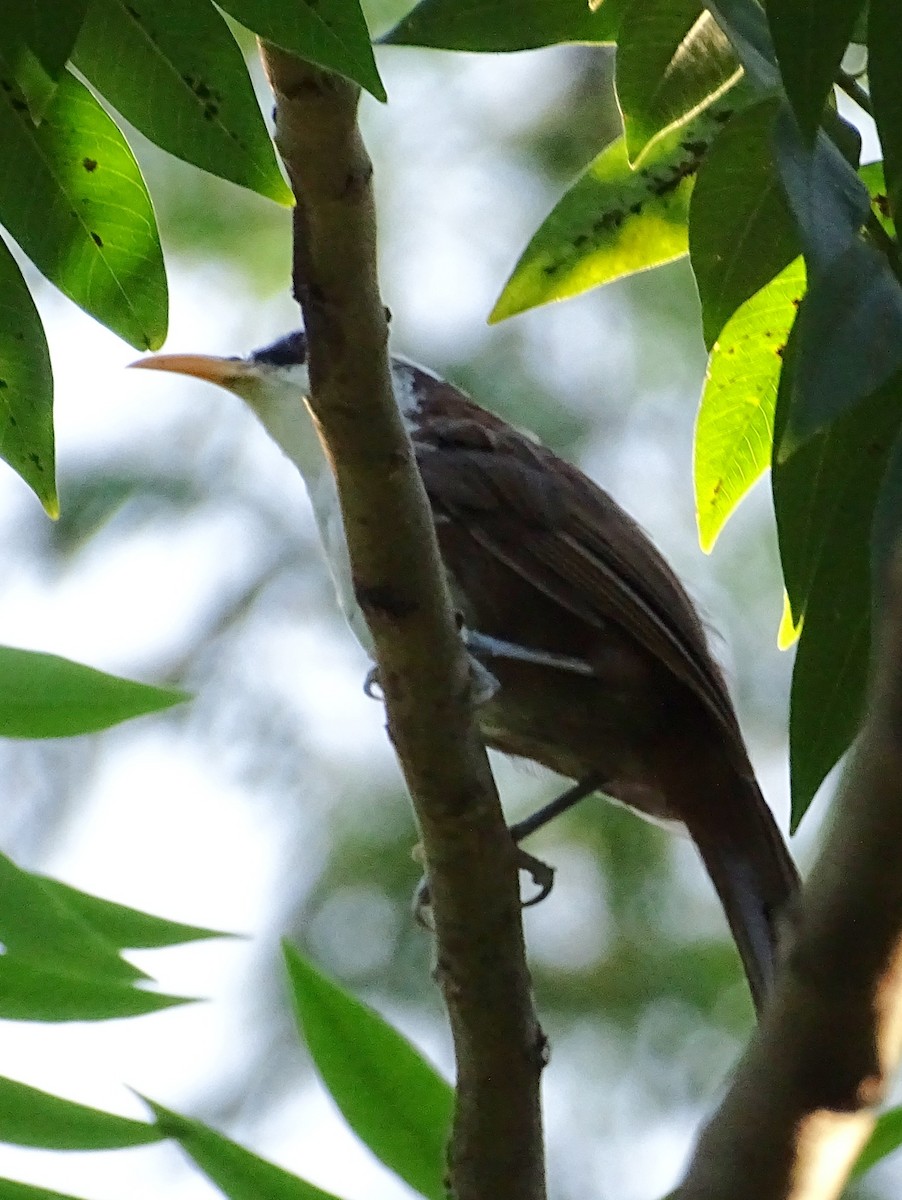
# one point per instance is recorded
(853, 89)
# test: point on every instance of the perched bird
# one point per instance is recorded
(601, 668)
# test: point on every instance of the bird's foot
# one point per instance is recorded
(541, 873)
(483, 683)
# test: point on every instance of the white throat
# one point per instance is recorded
(279, 399)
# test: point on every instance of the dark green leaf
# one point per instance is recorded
(29, 1117)
(237, 1172)
(518, 25)
(810, 38)
(744, 23)
(887, 528)
(734, 430)
(48, 30)
(123, 927)
(613, 221)
(824, 497)
(38, 925)
(827, 199)
(96, 238)
(331, 33)
(741, 233)
(885, 1138)
(850, 330)
(850, 340)
(35, 993)
(42, 695)
(672, 62)
(885, 80)
(395, 1102)
(26, 387)
(177, 74)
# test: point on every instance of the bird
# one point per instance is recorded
(597, 661)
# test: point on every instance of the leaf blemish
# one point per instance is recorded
(89, 164)
(96, 239)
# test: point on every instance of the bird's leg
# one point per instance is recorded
(561, 804)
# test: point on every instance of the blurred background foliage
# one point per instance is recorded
(185, 554)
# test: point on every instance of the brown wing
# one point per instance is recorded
(563, 535)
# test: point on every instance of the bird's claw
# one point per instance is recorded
(372, 685)
(542, 874)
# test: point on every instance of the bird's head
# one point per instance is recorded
(272, 382)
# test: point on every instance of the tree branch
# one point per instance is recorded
(803, 1099)
(496, 1146)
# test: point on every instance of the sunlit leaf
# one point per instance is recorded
(96, 238)
(672, 62)
(614, 220)
(331, 33)
(237, 1172)
(486, 25)
(26, 387)
(42, 695)
(394, 1100)
(734, 430)
(810, 38)
(29, 1117)
(177, 74)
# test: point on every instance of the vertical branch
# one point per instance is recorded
(496, 1148)
(804, 1098)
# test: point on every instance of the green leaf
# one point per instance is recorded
(37, 924)
(672, 62)
(734, 430)
(810, 38)
(29, 1117)
(10, 1190)
(885, 81)
(741, 233)
(96, 238)
(237, 1172)
(330, 33)
(613, 221)
(26, 387)
(486, 25)
(827, 199)
(871, 175)
(123, 927)
(42, 696)
(29, 992)
(887, 524)
(850, 340)
(744, 23)
(176, 73)
(394, 1100)
(48, 30)
(824, 498)
(850, 326)
(886, 1136)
